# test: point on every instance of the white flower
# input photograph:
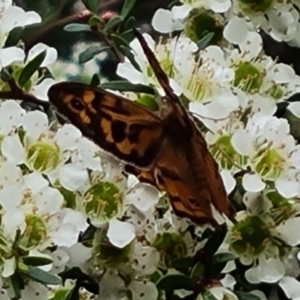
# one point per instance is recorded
(218, 6)
(279, 18)
(205, 78)
(10, 18)
(267, 222)
(239, 32)
(51, 54)
(272, 152)
(163, 21)
(144, 259)
(67, 232)
(35, 291)
(32, 198)
(171, 54)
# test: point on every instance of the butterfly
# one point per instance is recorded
(167, 150)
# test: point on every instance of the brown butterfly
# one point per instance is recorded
(167, 151)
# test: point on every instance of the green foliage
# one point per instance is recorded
(14, 37)
(126, 86)
(127, 7)
(73, 294)
(113, 22)
(77, 27)
(91, 5)
(41, 276)
(30, 68)
(246, 296)
(36, 261)
(90, 53)
(175, 282)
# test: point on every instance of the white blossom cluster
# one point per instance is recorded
(55, 184)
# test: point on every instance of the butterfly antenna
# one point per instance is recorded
(157, 69)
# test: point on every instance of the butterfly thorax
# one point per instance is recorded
(176, 129)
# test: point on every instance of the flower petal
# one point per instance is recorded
(289, 231)
(35, 123)
(291, 287)
(12, 149)
(73, 177)
(143, 197)
(228, 180)
(253, 183)
(120, 233)
(10, 55)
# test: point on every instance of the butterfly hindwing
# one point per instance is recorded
(127, 130)
(200, 182)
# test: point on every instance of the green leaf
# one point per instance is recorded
(246, 296)
(92, 287)
(205, 41)
(119, 41)
(90, 53)
(77, 27)
(214, 242)
(73, 294)
(127, 7)
(198, 270)
(95, 81)
(95, 20)
(113, 22)
(182, 263)
(72, 273)
(218, 263)
(207, 295)
(17, 284)
(36, 261)
(5, 75)
(88, 234)
(126, 51)
(14, 36)
(42, 276)
(127, 35)
(223, 257)
(175, 282)
(126, 86)
(130, 23)
(30, 68)
(91, 5)
(148, 101)
(172, 3)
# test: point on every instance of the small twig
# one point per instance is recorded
(33, 39)
(17, 93)
(82, 16)
(108, 41)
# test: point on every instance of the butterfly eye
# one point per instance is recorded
(77, 104)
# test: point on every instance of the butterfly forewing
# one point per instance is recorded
(127, 130)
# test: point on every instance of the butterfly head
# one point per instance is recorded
(72, 101)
